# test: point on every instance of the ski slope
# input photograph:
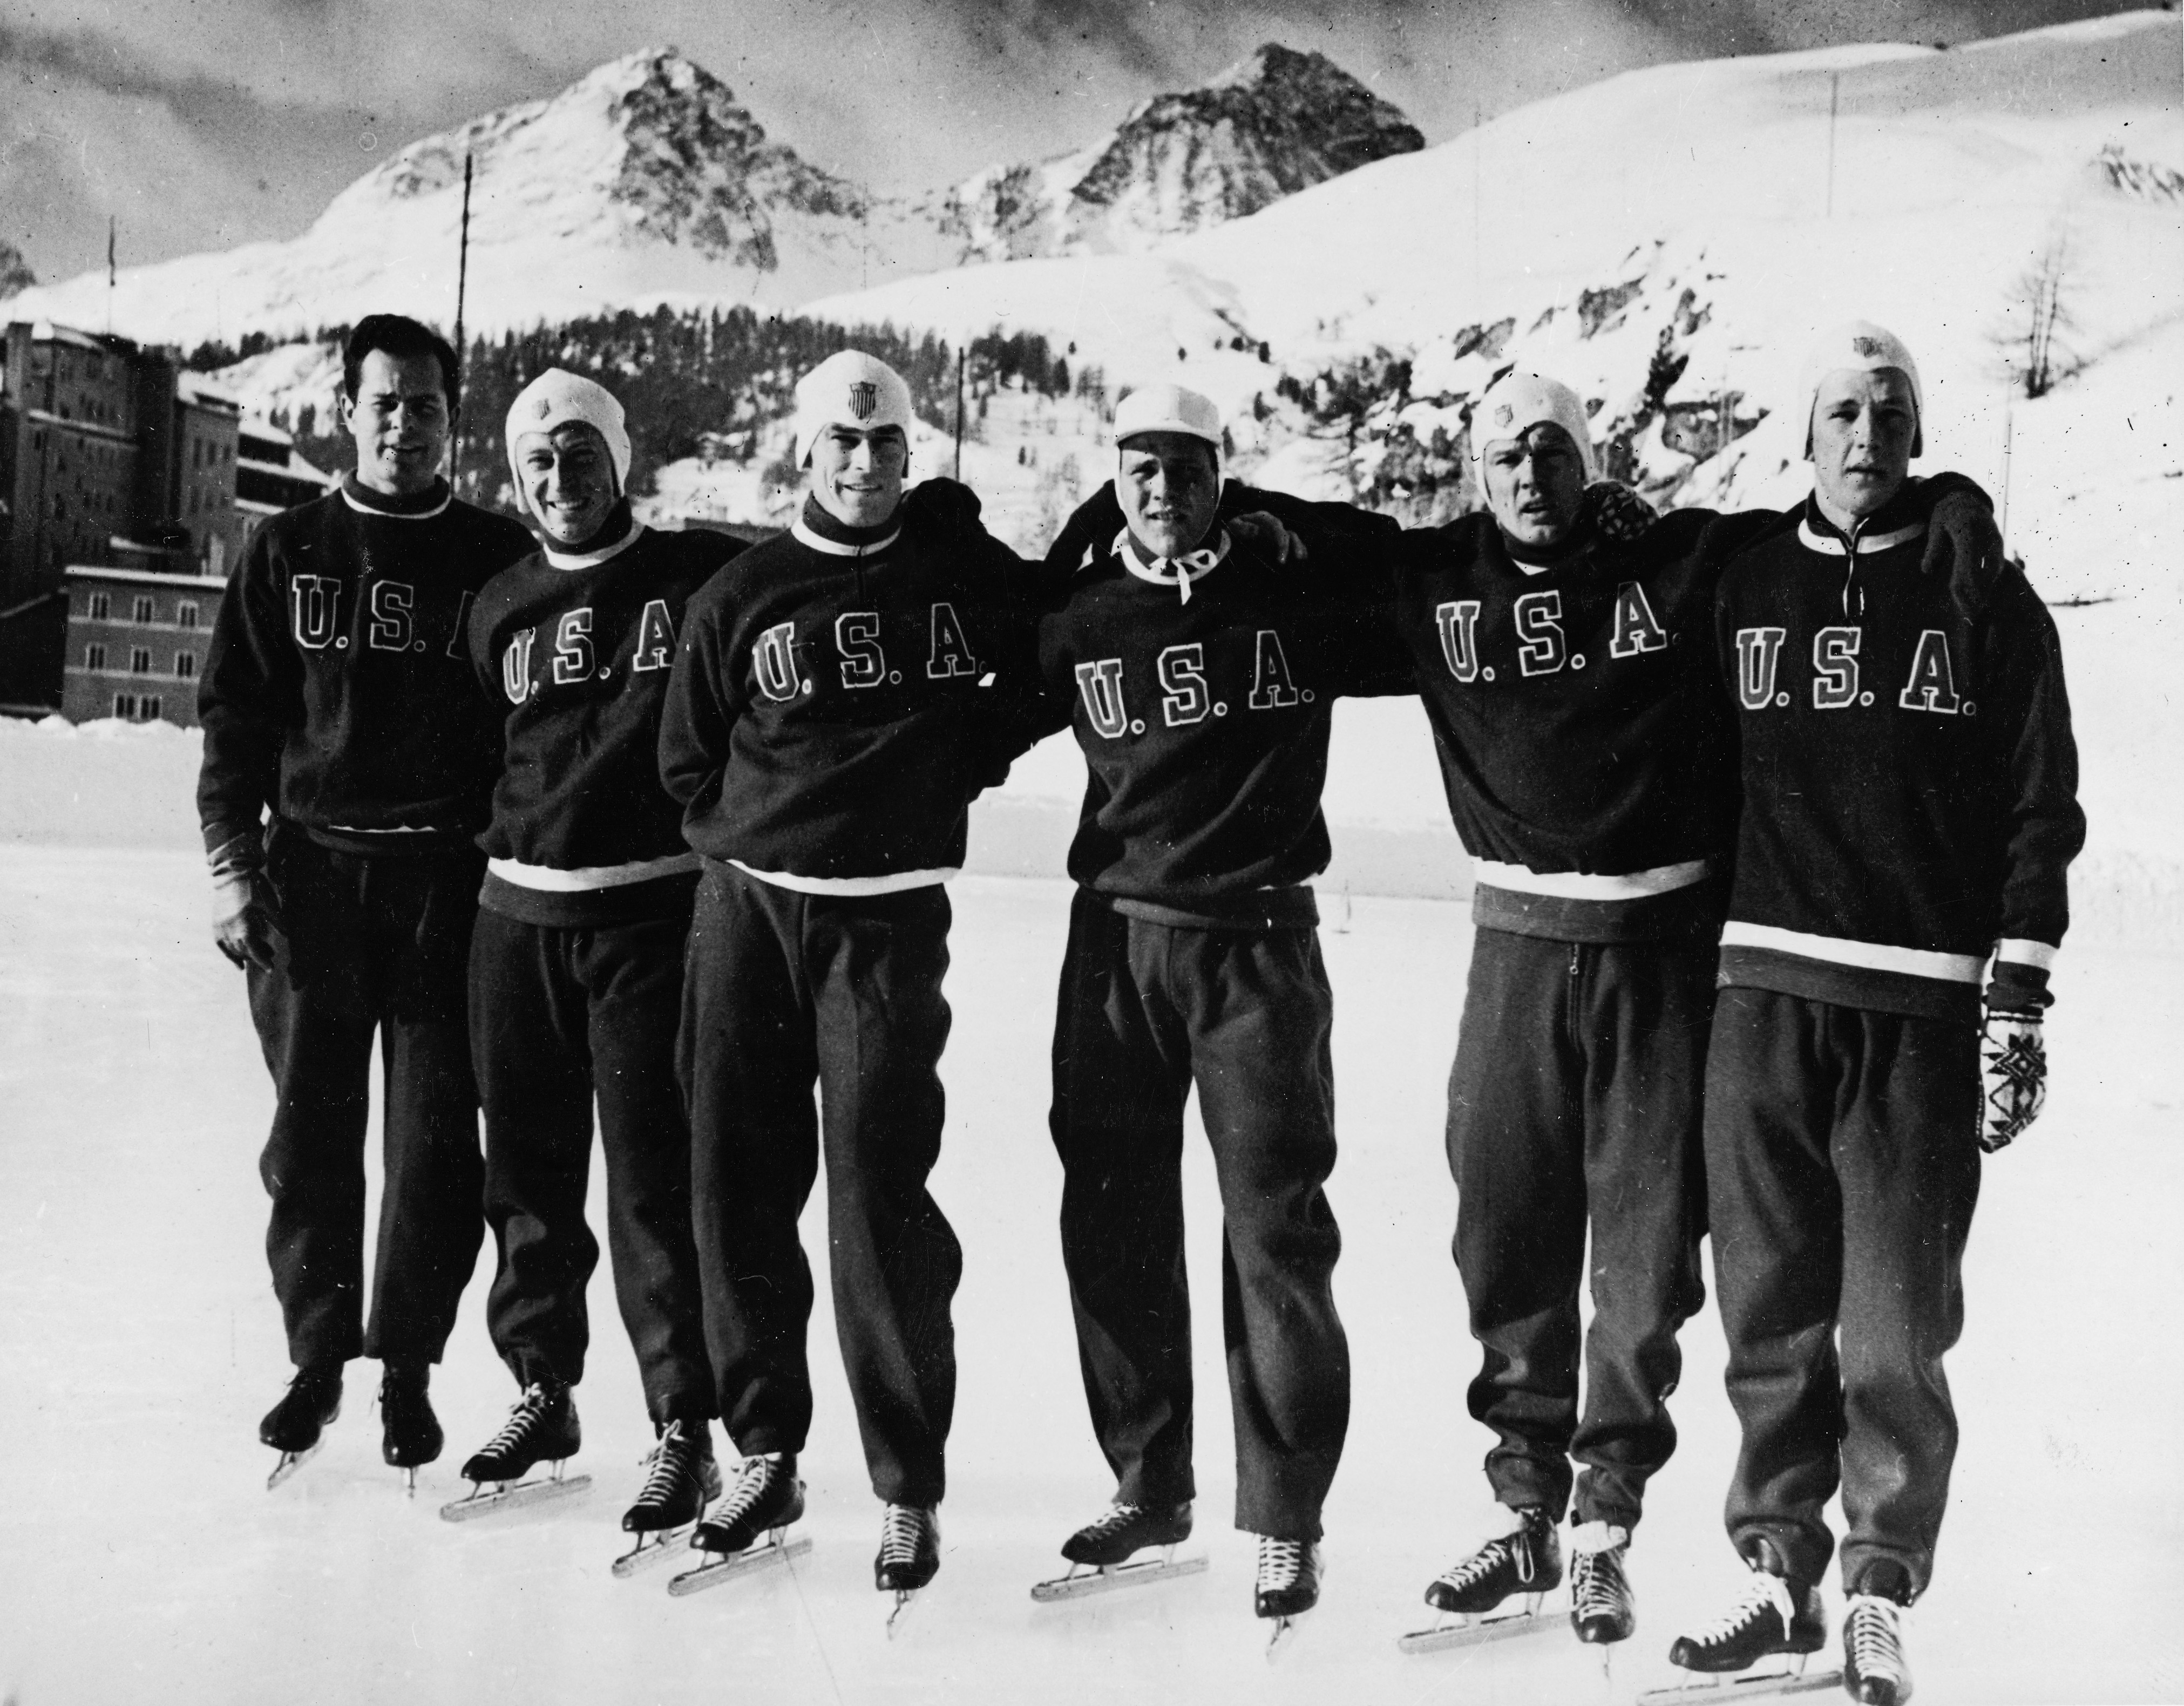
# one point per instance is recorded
(141, 1556)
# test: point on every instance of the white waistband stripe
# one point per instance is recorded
(894, 882)
(1870, 956)
(2025, 952)
(587, 878)
(1572, 885)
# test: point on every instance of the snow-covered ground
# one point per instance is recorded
(141, 1556)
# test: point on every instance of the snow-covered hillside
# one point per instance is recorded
(1275, 123)
(645, 179)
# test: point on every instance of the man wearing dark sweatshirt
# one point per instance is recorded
(577, 960)
(349, 763)
(827, 725)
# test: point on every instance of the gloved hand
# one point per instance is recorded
(1265, 533)
(2013, 1077)
(942, 508)
(245, 912)
(1616, 514)
(1963, 543)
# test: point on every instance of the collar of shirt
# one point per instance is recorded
(1179, 572)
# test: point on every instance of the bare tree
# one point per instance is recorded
(16, 276)
(2034, 340)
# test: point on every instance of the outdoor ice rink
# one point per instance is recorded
(140, 1557)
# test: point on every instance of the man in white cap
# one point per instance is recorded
(576, 958)
(1199, 676)
(349, 761)
(826, 728)
(1909, 813)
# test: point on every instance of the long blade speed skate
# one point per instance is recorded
(548, 1489)
(1770, 1684)
(653, 1549)
(1453, 1629)
(1772, 1618)
(290, 1462)
(1084, 1581)
(727, 1566)
(1286, 1587)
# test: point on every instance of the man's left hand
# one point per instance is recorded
(2013, 1077)
(1963, 543)
(1261, 530)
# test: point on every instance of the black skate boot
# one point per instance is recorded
(411, 1434)
(1528, 1561)
(313, 1399)
(542, 1428)
(1874, 1669)
(1110, 1540)
(292, 1426)
(1602, 1607)
(910, 1550)
(682, 1479)
(766, 1495)
(1773, 1615)
(1287, 1584)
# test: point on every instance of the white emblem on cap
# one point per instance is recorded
(1866, 347)
(1504, 415)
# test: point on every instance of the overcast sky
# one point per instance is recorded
(201, 123)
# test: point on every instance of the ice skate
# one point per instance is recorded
(1603, 1609)
(292, 1426)
(1874, 1670)
(909, 1556)
(682, 1480)
(1525, 1564)
(411, 1434)
(1772, 1617)
(765, 1498)
(1286, 1587)
(542, 1428)
(1105, 1554)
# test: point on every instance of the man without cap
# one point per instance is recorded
(1199, 677)
(576, 958)
(826, 726)
(1909, 813)
(348, 762)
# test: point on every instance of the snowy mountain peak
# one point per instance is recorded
(1276, 122)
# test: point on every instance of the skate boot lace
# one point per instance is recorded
(901, 1530)
(1281, 1563)
(1490, 1557)
(754, 1481)
(1761, 1592)
(672, 1462)
(1876, 1644)
(528, 1411)
(1593, 1580)
(1118, 1517)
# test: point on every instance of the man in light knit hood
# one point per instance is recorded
(348, 762)
(826, 726)
(1910, 814)
(576, 958)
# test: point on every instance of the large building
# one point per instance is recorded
(119, 470)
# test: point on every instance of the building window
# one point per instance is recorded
(125, 706)
(185, 614)
(94, 656)
(148, 708)
(143, 609)
(186, 666)
(139, 660)
(102, 606)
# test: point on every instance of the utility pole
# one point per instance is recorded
(109, 275)
(2008, 439)
(1834, 92)
(960, 354)
(462, 288)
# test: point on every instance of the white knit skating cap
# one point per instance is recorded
(1169, 408)
(1858, 346)
(1518, 401)
(849, 389)
(557, 398)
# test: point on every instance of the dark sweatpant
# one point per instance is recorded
(1574, 1099)
(784, 989)
(378, 943)
(1843, 1173)
(560, 1015)
(1145, 1010)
